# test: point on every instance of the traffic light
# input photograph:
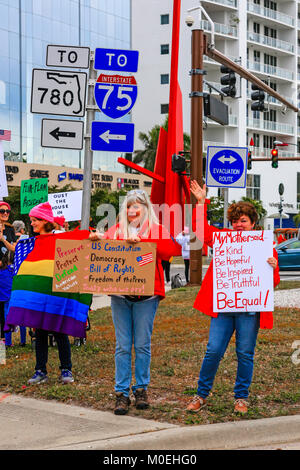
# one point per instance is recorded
(178, 163)
(249, 162)
(258, 96)
(229, 79)
(274, 153)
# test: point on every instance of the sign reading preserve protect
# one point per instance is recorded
(104, 267)
(242, 278)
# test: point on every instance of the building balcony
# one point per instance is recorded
(266, 152)
(219, 28)
(225, 3)
(270, 126)
(270, 70)
(232, 121)
(271, 14)
(271, 42)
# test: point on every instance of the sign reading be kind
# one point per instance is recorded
(242, 278)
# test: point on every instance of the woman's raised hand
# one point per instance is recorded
(96, 236)
(198, 192)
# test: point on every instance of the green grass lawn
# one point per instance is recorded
(178, 346)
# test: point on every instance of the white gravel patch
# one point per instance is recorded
(287, 298)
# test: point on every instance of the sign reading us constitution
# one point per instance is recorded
(104, 267)
(242, 278)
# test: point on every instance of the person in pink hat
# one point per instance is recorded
(42, 222)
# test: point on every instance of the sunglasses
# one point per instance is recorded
(2, 211)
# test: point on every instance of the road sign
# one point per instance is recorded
(54, 92)
(68, 56)
(112, 136)
(115, 94)
(116, 59)
(226, 167)
(62, 133)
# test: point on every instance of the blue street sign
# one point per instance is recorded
(115, 94)
(116, 59)
(226, 167)
(112, 136)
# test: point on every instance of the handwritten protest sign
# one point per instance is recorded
(104, 267)
(33, 192)
(66, 204)
(242, 278)
(3, 182)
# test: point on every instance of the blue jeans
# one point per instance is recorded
(9, 334)
(133, 322)
(221, 329)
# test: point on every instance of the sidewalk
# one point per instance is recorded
(48, 425)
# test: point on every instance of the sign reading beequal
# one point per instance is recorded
(104, 267)
(242, 278)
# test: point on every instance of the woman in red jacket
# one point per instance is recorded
(243, 217)
(133, 316)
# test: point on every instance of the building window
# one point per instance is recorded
(256, 28)
(253, 187)
(164, 108)
(165, 19)
(164, 79)
(256, 140)
(269, 141)
(164, 49)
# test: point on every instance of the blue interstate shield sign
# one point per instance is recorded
(112, 136)
(115, 95)
(226, 167)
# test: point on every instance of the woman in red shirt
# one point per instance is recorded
(133, 316)
(243, 217)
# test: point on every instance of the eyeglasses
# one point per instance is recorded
(137, 191)
(2, 211)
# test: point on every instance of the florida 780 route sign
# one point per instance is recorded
(58, 92)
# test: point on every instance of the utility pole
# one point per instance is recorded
(196, 139)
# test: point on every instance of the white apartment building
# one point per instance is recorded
(264, 37)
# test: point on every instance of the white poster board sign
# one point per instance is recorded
(3, 182)
(242, 278)
(66, 204)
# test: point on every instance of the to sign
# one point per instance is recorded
(112, 136)
(62, 133)
(115, 94)
(61, 93)
(68, 56)
(116, 59)
(225, 167)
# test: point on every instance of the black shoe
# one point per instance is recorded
(122, 404)
(141, 399)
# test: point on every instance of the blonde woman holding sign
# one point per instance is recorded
(133, 316)
(243, 217)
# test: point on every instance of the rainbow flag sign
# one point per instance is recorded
(34, 304)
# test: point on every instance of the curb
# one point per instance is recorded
(224, 436)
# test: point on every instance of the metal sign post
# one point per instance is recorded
(88, 153)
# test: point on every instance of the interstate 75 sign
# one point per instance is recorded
(58, 92)
(115, 95)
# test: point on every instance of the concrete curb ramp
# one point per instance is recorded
(49, 425)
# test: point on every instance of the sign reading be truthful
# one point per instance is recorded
(104, 267)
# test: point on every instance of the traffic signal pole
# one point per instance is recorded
(196, 165)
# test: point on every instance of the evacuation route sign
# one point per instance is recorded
(226, 167)
(33, 192)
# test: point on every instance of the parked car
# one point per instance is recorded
(289, 255)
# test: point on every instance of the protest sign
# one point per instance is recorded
(66, 204)
(3, 182)
(242, 278)
(33, 192)
(104, 267)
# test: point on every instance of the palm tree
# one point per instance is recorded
(150, 141)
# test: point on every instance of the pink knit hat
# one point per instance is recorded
(3, 203)
(42, 211)
(60, 220)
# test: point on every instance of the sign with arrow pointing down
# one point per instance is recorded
(62, 133)
(112, 136)
(226, 167)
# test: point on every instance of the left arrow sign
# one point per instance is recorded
(62, 133)
(56, 133)
(112, 136)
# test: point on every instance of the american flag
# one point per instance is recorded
(22, 250)
(145, 259)
(5, 135)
